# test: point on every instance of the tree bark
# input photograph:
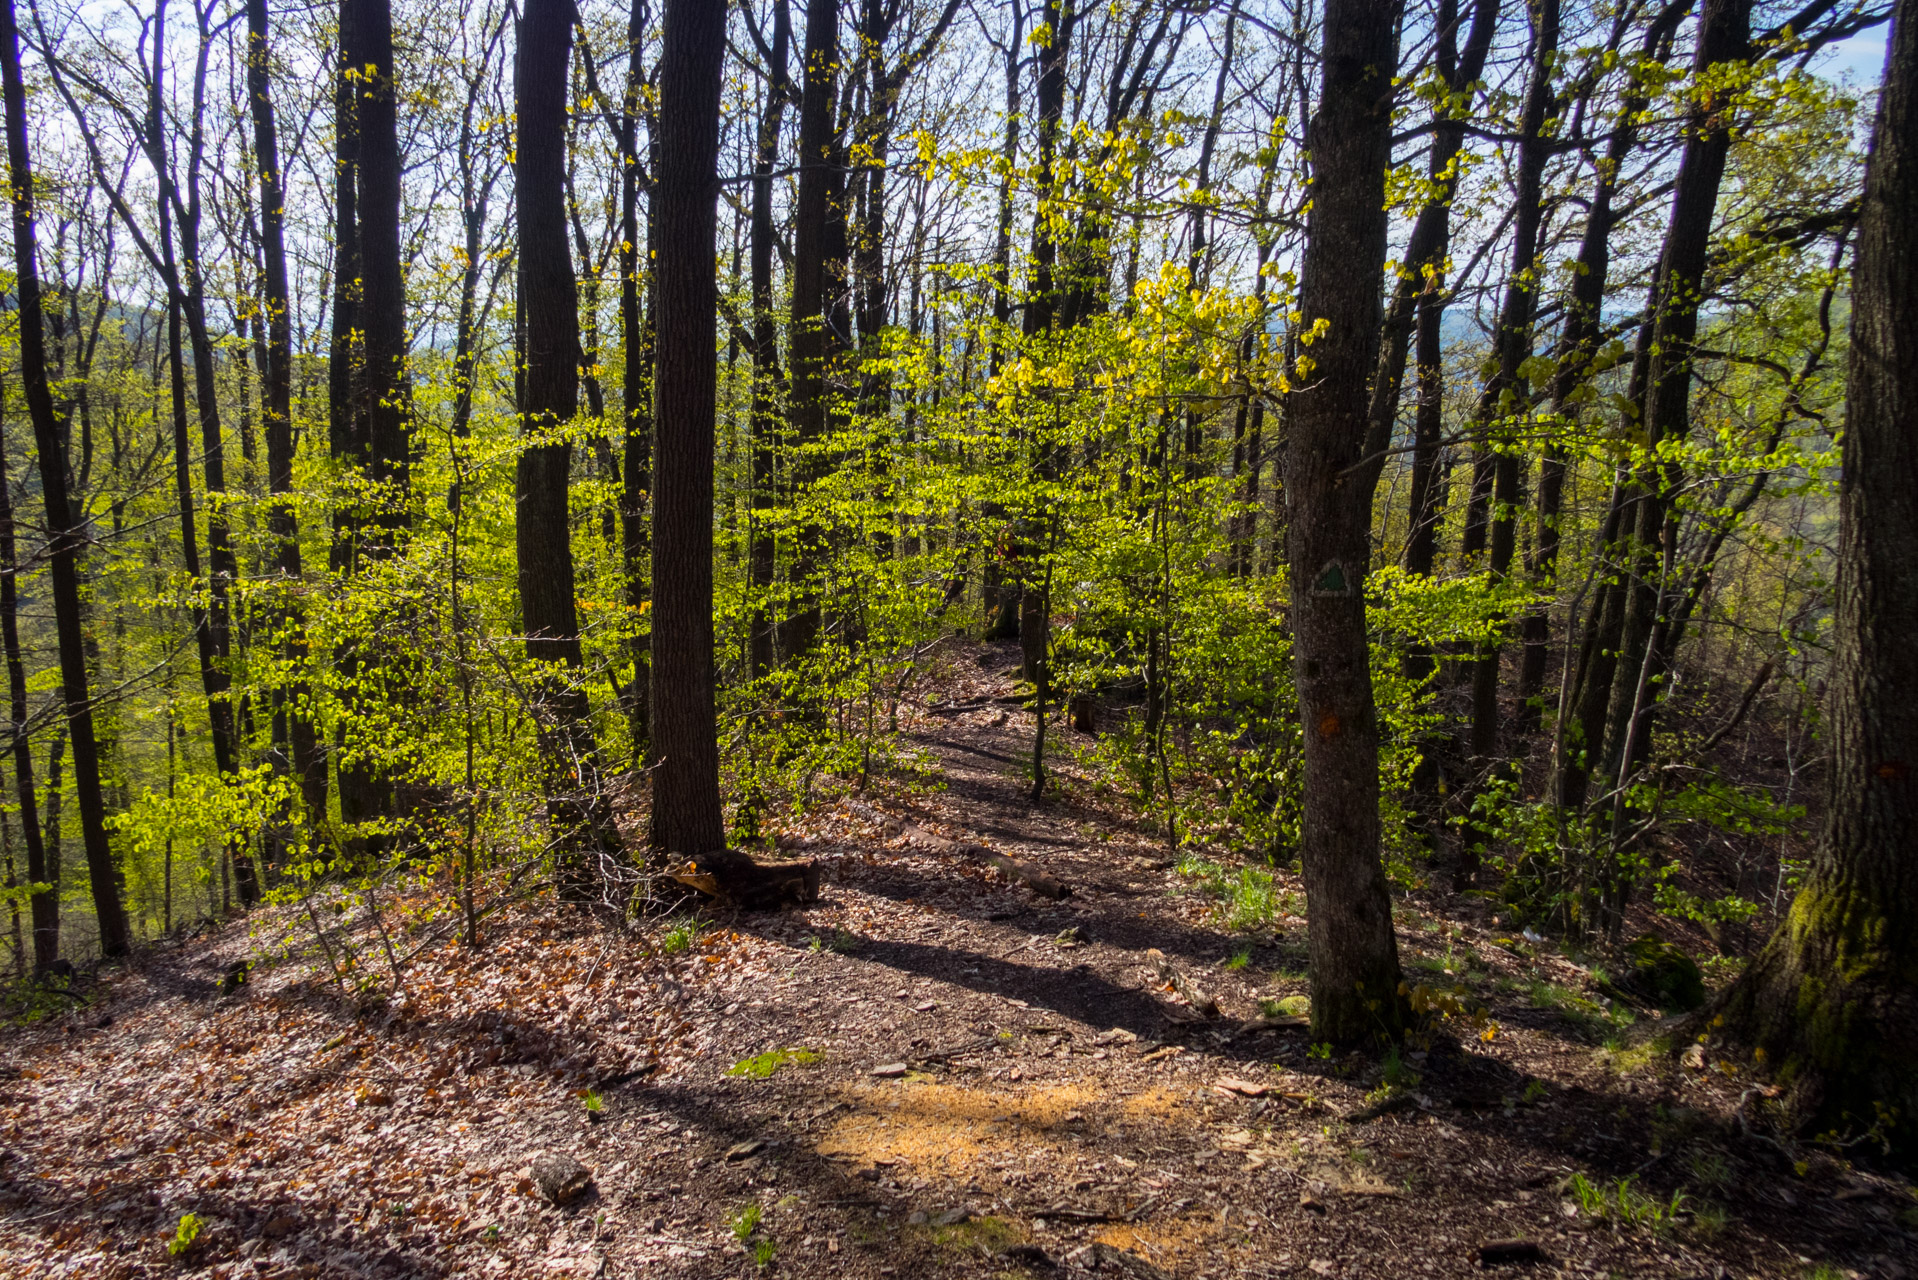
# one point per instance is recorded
(1042, 313)
(636, 384)
(549, 399)
(686, 818)
(551, 320)
(382, 314)
(1724, 37)
(1420, 289)
(65, 536)
(766, 377)
(1575, 358)
(44, 907)
(342, 431)
(1506, 395)
(309, 766)
(1832, 1000)
(1355, 964)
(811, 340)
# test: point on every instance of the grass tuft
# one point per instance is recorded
(1248, 898)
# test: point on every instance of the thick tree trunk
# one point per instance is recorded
(1832, 1000)
(686, 818)
(576, 806)
(382, 314)
(309, 766)
(65, 537)
(1355, 964)
(551, 319)
(1043, 296)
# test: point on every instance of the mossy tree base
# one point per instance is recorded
(1829, 1009)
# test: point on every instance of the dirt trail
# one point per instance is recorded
(930, 1072)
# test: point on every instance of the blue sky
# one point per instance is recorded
(1860, 59)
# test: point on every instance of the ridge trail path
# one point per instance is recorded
(934, 1070)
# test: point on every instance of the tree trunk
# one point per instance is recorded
(382, 315)
(765, 406)
(44, 906)
(1724, 37)
(810, 340)
(64, 536)
(1832, 1000)
(1042, 309)
(1421, 283)
(1354, 953)
(342, 431)
(1009, 159)
(1575, 358)
(551, 325)
(277, 399)
(1507, 394)
(576, 806)
(686, 817)
(636, 384)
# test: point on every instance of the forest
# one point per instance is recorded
(536, 474)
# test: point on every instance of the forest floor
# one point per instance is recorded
(931, 1071)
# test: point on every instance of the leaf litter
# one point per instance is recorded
(1060, 1101)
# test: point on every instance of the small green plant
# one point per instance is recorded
(592, 1101)
(492, 1233)
(680, 937)
(1625, 1204)
(1270, 1009)
(746, 1221)
(761, 1065)
(763, 1250)
(1323, 1052)
(1594, 1021)
(185, 1234)
(1535, 1091)
(1394, 1074)
(1247, 896)
(1241, 957)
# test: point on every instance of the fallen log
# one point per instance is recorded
(734, 878)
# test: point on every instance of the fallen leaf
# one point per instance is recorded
(1244, 1088)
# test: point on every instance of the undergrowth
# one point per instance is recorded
(1248, 898)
